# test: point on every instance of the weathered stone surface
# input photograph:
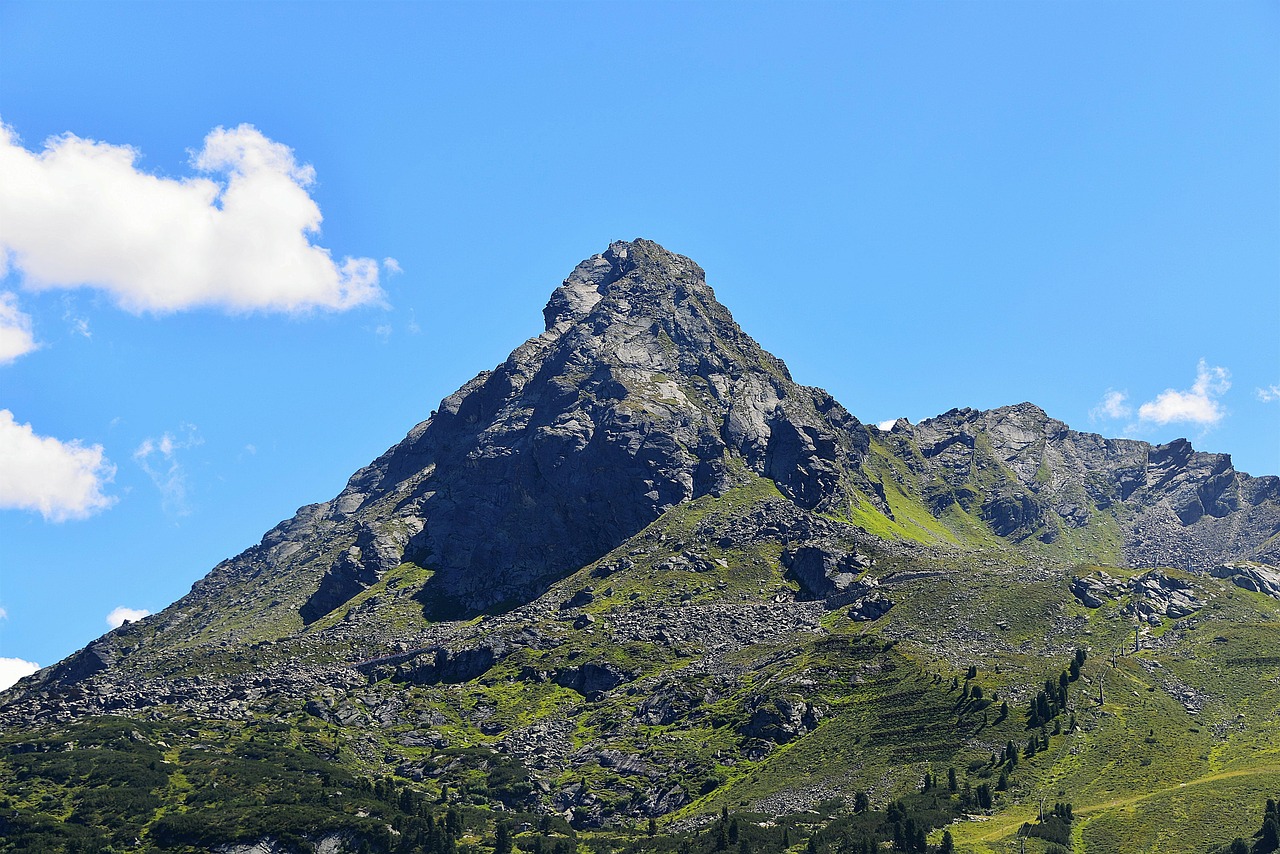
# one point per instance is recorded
(452, 667)
(591, 678)
(823, 572)
(1092, 592)
(1259, 578)
(871, 607)
(781, 719)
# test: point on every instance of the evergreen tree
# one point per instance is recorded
(1269, 840)
(948, 845)
(502, 839)
(1239, 846)
(951, 779)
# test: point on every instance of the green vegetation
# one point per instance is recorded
(986, 692)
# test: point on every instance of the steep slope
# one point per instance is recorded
(637, 571)
(641, 394)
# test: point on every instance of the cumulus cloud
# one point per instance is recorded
(1269, 394)
(122, 615)
(15, 329)
(61, 480)
(238, 236)
(159, 459)
(13, 669)
(391, 265)
(886, 426)
(1112, 405)
(1197, 405)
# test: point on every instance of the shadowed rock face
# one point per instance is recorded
(641, 394)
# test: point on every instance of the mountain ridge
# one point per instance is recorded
(598, 382)
(641, 563)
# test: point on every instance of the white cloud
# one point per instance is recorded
(1112, 405)
(391, 265)
(61, 480)
(121, 615)
(886, 426)
(80, 213)
(1197, 405)
(13, 669)
(1269, 394)
(15, 329)
(4, 615)
(159, 459)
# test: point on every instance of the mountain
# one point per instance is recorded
(636, 571)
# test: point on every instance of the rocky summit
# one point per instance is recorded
(637, 588)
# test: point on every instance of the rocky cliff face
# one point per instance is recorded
(1030, 477)
(641, 395)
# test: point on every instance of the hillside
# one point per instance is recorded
(637, 573)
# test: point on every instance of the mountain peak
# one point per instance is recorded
(639, 267)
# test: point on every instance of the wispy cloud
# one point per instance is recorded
(121, 615)
(159, 459)
(15, 330)
(1269, 394)
(1196, 405)
(1113, 405)
(59, 480)
(236, 236)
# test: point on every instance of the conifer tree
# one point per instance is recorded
(1270, 837)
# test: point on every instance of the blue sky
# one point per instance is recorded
(917, 205)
